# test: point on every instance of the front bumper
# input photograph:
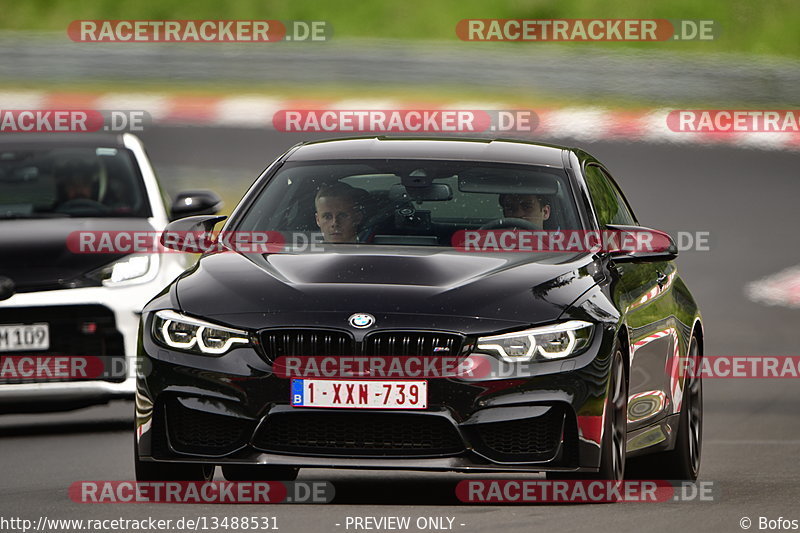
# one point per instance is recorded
(62, 395)
(234, 410)
(115, 313)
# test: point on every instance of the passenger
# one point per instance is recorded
(339, 211)
(533, 208)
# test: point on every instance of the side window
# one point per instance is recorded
(608, 202)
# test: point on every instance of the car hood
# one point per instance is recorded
(35, 255)
(317, 288)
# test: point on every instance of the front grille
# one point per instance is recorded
(529, 439)
(334, 343)
(306, 342)
(413, 343)
(75, 330)
(198, 432)
(383, 434)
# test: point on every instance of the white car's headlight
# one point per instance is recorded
(131, 269)
(193, 335)
(543, 343)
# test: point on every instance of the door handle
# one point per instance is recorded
(662, 279)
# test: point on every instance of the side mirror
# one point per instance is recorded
(191, 203)
(638, 244)
(190, 234)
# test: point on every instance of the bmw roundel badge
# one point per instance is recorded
(361, 320)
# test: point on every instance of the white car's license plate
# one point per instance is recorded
(24, 337)
(360, 394)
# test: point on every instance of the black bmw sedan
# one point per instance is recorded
(420, 250)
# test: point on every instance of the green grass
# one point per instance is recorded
(750, 27)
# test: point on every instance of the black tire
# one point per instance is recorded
(615, 438)
(160, 471)
(615, 429)
(259, 472)
(683, 462)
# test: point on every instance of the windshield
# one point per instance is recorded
(70, 182)
(409, 202)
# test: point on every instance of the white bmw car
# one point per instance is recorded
(69, 320)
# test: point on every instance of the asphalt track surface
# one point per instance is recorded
(745, 198)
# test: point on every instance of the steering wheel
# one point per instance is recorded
(509, 222)
(82, 205)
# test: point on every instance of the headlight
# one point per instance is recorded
(194, 335)
(543, 343)
(131, 269)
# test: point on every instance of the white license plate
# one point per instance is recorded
(360, 394)
(24, 337)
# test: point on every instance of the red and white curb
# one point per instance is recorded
(256, 111)
(782, 289)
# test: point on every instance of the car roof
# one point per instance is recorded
(465, 149)
(33, 140)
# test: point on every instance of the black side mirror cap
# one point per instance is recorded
(192, 203)
(190, 234)
(639, 244)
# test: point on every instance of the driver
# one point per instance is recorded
(76, 180)
(339, 211)
(530, 207)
